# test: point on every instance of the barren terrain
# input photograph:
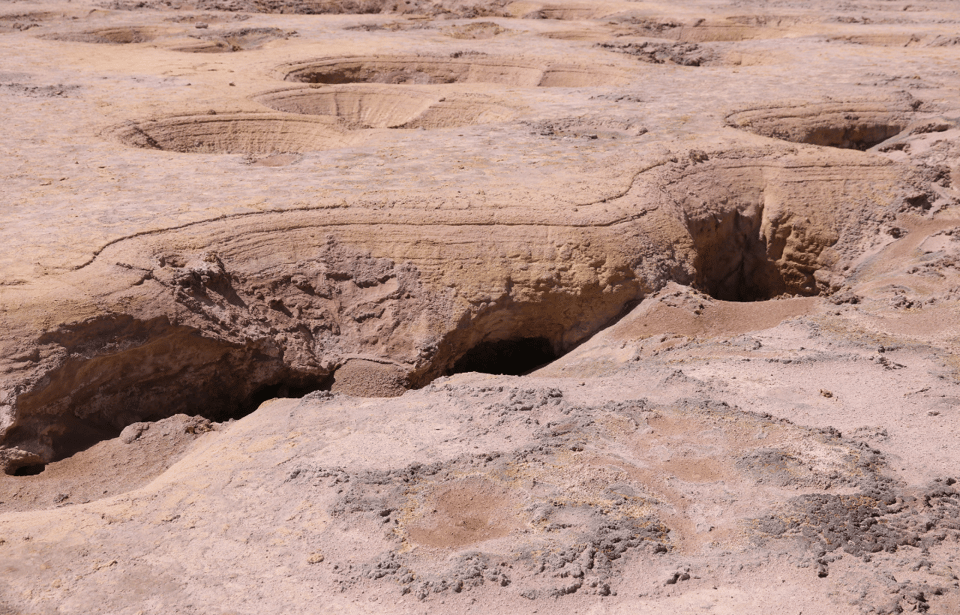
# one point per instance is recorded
(450, 306)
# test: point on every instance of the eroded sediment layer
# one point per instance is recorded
(256, 303)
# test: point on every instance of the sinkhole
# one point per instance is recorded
(844, 125)
(30, 470)
(733, 261)
(121, 371)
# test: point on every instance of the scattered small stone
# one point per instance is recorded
(826, 393)
(316, 558)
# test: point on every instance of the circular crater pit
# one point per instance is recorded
(424, 70)
(249, 133)
(383, 107)
(846, 125)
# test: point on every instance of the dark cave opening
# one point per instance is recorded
(510, 357)
(120, 371)
(291, 387)
(76, 435)
(31, 470)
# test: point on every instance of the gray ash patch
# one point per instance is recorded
(565, 547)
(587, 128)
(681, 54)
(589, 566)
(40, 91)
(525, 400)
(783, 469)
(871, 522)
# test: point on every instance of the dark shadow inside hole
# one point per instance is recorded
(31, 470)
(858, 136)
(80, 435)
(513, 357)
(294, 387)
(732, 262)
(744, 278)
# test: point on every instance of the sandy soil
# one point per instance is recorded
(448, 306)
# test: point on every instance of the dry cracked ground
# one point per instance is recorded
(479, 306)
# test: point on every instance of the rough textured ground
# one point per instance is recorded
(704, 255)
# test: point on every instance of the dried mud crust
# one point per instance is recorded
(446, 8)
(362, 106)
(843, 124)
(422, 70)
(683, 54)
(700, 30)
(228, 41)
(23, 21)
(881, 519)
(247, 133)
(585, 488)
(899, 40)
(873, 526)
(120, 35)
(40, 91)
(589, 127)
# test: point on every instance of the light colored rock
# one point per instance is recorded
(718, 210)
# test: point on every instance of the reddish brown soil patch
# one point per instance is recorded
(463, 513)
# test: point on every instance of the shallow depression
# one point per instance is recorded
(423, 70)
(462, 513)
(384, 107)
(251, 133)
